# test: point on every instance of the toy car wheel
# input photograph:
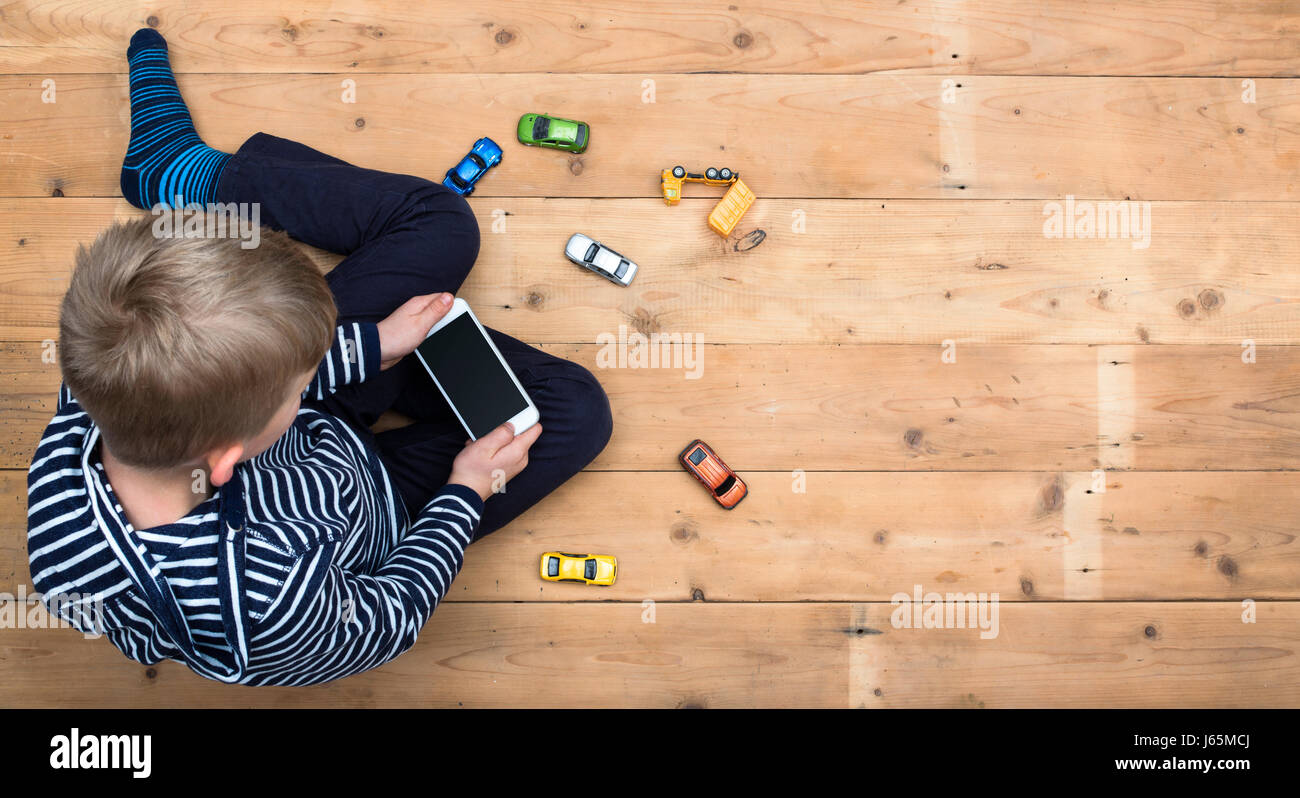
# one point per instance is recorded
(725, 173)
(679, 171)
(711, 173)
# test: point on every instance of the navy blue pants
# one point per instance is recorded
(406, 236)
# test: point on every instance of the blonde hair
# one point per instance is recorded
(176, 346)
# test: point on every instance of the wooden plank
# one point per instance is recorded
(853, 136)
(900, 408)
(866, 536)
(15, 572)
(1110, 654)
(1048, 37)
(913, 271)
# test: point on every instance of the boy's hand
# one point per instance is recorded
(499, 451)
(407, 326)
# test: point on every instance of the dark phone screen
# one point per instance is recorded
(472, 376)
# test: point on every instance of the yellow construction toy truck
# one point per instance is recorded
(728, 211)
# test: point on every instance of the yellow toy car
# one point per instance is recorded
(730, 208)
(587, 569)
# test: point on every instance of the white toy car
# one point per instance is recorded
(600, 259)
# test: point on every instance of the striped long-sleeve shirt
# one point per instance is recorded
(305, 567)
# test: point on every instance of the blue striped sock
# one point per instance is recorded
(166, 157)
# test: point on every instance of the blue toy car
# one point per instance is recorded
(484, 155)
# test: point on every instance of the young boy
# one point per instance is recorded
(209, 490)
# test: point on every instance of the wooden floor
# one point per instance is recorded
(1100, 453)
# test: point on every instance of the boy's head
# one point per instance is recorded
(179, 346)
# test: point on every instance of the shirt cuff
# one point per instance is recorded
(371, 355)
(465, 494)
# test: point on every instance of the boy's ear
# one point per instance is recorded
(222, 462)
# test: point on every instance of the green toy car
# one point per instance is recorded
(540, 130)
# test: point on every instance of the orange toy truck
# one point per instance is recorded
(728, 211)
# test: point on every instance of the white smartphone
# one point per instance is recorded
(473, 377)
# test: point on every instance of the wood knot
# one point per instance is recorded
(290, 33)
(880, 536)
(750, 240)
(1052, 496)
(1026, 586)
(742, 40)
(1227, 566)
(913, 438)
(504, 37)
(1201, 549)
(683, 532)
(150, 673)
(575, 166)
(151, 21)
(644, 322)
(533, 299)
(1210, 299)
(1186, 308)
(697, 594)
(1150, 631)
(360, 122)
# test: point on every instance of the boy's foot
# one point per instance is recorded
(166, 157)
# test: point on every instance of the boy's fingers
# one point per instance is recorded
(416, 305)
(524, 441)
(426, 307)
(533, 434)
(437, 305)
(498, 439)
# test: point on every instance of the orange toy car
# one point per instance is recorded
(705, 465)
